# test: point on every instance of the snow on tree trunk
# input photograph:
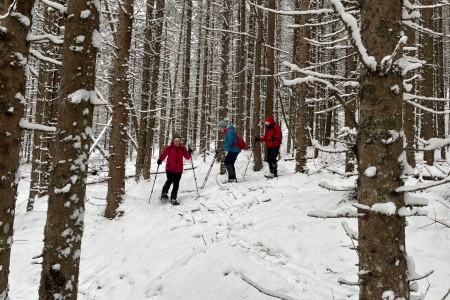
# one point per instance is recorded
(121, 97)
(382, 260)
(67, 189)
(14, 50)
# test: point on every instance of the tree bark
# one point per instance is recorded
(381, 244)
(67, 191)
(301, 58)
(256, 132)
(271, 17)
(186, 72)
(118, 135)
(14, 50)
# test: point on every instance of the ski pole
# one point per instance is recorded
(157, 168)
(195, 178)
(207, 175)
(249, 158)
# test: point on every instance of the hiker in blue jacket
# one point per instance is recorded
(230, 139)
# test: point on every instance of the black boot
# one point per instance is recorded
(174, 201)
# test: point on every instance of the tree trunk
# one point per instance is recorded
(204, 106)
(427, 83)
(120, 100)
(14, 50)
(67, 191)
(186, 72)
(271, 17)
(301, 58)
(381, 244)
(240, 118)
(257, 164)
(145, 94)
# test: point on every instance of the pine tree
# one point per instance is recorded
(67, 189)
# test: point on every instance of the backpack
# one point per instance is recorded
(240, 143)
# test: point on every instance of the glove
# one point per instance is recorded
(159, 162)
(257, 139)
(273, 138)
(190, 150)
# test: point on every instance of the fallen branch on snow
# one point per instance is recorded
(264, 290)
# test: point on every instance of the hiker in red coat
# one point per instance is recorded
(272, 137)
(174, 167)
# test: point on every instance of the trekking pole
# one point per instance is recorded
(157, 168)
(249, 158)
(194, 176)
(207, 175)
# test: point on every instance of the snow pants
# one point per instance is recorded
(174, 178)
(272, 153)
(229, 161)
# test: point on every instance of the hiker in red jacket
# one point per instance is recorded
(272, 137)
(174, 167)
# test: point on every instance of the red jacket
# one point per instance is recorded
(174, 157)
(273, 130)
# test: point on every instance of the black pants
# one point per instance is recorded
(272, 153)
(174, 178)
(229, 164)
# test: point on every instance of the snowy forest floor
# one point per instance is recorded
(227, 243)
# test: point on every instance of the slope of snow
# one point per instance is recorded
(234, 241)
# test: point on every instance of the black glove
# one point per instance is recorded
(257, 139)
(273, 138)
(190, 150)
(159, 162)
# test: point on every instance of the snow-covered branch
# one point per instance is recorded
(343, 213)
(294, 13)
(440, 112)
(318, 146)
(24, 124)
(422, 186)
(61, 8)
(39, 56)
(352, 26)
(331, 187)
(264, 290)
(8, 12)
(44, 38)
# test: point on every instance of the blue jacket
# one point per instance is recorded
(230, 138)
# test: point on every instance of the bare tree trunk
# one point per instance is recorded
(49, 78)
(382, 253)
(154, 86)
(204, 105)
(240, 68)
(186, 72)
(67, 190)
(301, 58)
(271, 17)
(250, 79)
(118, 134)
(427, 83)
(256, 131)
(14, 50)
(145, 93)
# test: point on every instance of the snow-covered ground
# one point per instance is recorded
(236, 241)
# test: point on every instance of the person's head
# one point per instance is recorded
(176, 139)
(269, 121)
(222, 125)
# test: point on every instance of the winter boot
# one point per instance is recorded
(174, 201)
(164, 197)
(270, 176)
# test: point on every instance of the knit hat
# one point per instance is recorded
(222, 124)
(176, 136)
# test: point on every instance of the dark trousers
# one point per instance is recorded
(174, 178)
(229, 161)
(272, 153)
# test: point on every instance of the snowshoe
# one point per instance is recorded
(270, 176)
(174, 202)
